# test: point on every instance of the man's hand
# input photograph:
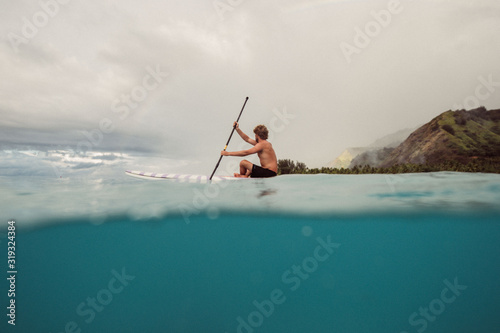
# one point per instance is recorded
(236, 125)
(224, 153)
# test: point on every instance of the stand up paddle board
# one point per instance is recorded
(178, 177)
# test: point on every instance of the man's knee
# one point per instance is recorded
(246, 164)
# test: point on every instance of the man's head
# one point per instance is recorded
(261, 132)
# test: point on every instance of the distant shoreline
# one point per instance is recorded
(479, 166)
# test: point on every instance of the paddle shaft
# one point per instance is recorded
(230, 136)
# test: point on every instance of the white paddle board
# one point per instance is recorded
(178, 177)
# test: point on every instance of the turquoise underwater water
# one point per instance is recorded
(294, 254)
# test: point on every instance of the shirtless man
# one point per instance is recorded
(264, 150)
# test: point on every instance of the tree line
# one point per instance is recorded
(287, 166)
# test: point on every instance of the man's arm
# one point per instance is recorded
(244, 136)
(255, 149)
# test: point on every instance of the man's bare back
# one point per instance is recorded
(267, 156)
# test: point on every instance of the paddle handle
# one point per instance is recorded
(230, 136)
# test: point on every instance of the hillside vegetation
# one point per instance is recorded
(460, 136)
(462, 141)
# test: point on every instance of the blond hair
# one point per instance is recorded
(261, 131)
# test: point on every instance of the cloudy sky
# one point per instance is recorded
(172, 76)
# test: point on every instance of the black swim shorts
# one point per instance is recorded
(260, 172)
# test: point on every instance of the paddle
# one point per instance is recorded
(234, 127)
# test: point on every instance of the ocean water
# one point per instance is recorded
(298, 253)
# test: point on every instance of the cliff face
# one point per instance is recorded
(372, 158)
(372, 154)
(458, 136)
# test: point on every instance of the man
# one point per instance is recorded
(263, 148)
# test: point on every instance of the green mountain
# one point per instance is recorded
(457, 136)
